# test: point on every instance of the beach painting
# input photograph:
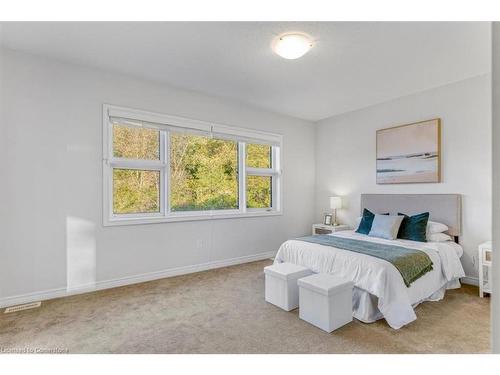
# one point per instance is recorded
(409, 153)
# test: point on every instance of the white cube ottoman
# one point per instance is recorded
(325, 301)
(281, 284)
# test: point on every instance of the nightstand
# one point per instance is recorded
(485, 250)
(327, 229)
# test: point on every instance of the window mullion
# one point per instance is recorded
(136, 164)
(276, 181)
(242, 189)
(166, 160)
(261, 172)
(163, 176)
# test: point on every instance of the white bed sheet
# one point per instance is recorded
(380, 291)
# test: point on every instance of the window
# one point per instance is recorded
(258, 156)
(203, 173)
(259, 192)
(259, 162)
(135, 143)
(135, 191)
(160, 168)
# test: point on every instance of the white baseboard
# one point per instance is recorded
(470, 280)
(128, 280)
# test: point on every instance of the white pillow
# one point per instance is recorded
(386, 226)
(438, 237)
(433, 227)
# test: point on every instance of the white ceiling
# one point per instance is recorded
(352, 65)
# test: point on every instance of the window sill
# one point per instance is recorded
(117, 221)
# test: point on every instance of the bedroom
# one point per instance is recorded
(151, 195)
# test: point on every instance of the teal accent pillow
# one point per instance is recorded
(366, 222)
(414, 227)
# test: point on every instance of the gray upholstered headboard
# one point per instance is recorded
(443, 208)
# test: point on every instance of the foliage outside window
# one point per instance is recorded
(136, 143)
(203, 173)
(258, 156)
(259, 191)
(135, 191)
(160, 172)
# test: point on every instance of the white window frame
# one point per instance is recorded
(265, 172)
(165, 124)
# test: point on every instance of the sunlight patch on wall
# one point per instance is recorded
(80, 253)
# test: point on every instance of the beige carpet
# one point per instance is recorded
(223, 311)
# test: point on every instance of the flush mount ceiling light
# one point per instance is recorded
(292, 46)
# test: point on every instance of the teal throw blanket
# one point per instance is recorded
(411, 263)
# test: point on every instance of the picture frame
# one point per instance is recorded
(410, 153)
(328, 219)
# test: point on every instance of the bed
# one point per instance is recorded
(380, 291)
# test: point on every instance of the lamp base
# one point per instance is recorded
(334, 214)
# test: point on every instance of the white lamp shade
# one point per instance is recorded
(335, 203)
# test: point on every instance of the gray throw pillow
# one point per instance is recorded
(386, 226)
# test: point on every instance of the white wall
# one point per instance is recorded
(345, 155)
(495, 297)
(3, 145)
(54, 238)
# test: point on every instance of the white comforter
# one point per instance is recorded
(394, 301)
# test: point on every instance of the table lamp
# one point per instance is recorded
(335, 204)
